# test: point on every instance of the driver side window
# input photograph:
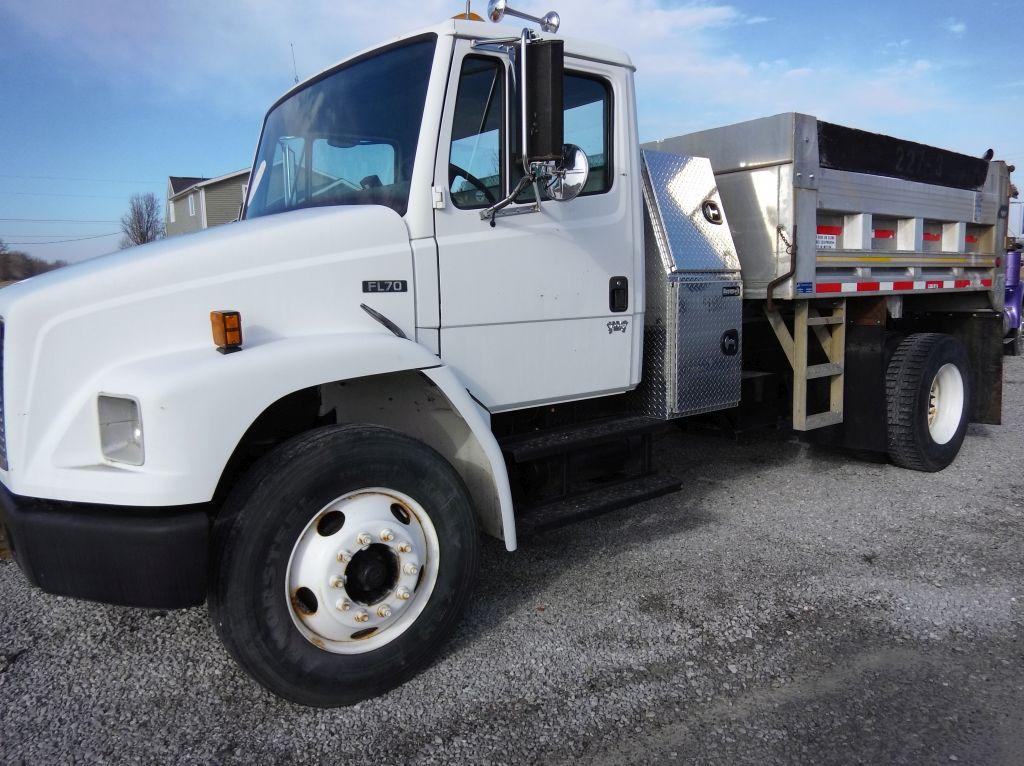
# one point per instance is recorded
(476, 155)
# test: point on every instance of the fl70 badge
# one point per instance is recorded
(386, 286)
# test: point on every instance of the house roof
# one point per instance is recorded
(180, 183)
(178, 189)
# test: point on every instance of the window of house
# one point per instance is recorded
(475, 157)
(588, 124)
(170, 210)
(191, 204)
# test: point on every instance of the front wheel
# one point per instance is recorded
(343, 561)
(928, 396)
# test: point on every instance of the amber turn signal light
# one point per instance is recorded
(227, 330)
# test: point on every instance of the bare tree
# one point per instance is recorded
(16, 265)
(143, 222)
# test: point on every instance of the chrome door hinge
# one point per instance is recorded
(437, 195)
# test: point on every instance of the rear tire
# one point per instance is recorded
(928, 396)
(402, 570)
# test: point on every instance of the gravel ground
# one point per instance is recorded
(792, 605)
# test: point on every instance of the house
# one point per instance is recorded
(199, 203)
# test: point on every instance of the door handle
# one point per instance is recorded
(618, 294)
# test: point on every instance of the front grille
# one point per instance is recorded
(3, 420)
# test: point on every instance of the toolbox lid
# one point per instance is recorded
(686, 212)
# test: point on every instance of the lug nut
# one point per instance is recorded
(364, 539)
(403, 594)
(386, 536)
(343, 605)
(338, 581)
(362, 616)
(404, 548)
(384, 611)
(343, 556)
(410, 569)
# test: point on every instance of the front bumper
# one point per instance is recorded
(146, 557)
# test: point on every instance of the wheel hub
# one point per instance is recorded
(362, 570)
(946, 403)
(372, 574)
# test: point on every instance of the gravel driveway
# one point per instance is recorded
(792, 605)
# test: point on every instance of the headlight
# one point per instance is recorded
(121, 430)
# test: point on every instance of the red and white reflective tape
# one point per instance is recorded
(900, 286)
(831, 233)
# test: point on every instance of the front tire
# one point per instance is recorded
(928, 400)
(342, 561)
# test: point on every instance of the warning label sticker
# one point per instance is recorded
(827, 241)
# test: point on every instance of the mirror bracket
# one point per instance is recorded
(502, 209)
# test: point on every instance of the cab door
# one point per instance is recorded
(529, 312)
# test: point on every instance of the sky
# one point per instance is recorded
(100, 99)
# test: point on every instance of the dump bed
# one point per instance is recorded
(867, 213)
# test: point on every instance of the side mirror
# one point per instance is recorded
(543, 107)
(570, 176)
(544, 156)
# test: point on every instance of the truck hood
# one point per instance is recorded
(230, 252)
(294, 274)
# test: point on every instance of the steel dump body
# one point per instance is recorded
(868, 214)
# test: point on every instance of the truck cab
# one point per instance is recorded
(361, 274)
(518, 310)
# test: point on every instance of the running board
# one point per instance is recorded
(603, 499)
(558, 441)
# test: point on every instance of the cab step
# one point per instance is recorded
(600, 500)
(522, 448)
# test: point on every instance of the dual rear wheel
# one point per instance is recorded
(928, 401)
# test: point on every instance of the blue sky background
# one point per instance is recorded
(103, 98)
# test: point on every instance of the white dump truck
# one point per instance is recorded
(462, 297)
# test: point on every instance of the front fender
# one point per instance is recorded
(197, 404)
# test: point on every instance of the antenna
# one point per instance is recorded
(295, 70)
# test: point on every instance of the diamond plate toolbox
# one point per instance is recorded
(693, 322)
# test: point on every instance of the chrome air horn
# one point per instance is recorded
(496, 10)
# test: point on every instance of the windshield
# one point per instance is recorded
(346, 139)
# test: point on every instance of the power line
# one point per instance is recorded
(58, 194)
(63, 241)
(54, 220)
(81, 178)
(26, 235)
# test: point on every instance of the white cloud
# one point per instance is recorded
(693, 68)
(955, 26)
(232, 50)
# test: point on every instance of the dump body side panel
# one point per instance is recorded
(868, 214)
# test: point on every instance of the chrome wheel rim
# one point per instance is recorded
(362, 570)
